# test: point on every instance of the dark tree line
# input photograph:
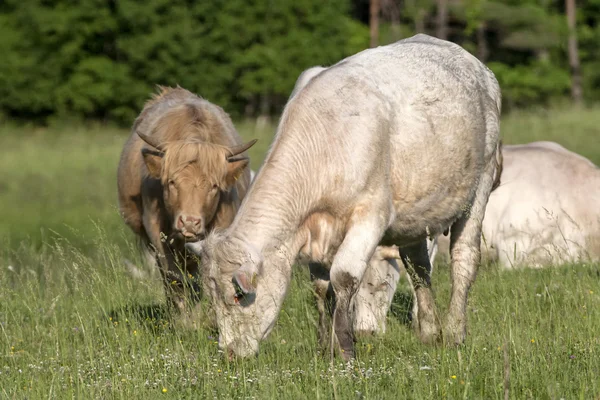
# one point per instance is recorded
(100, 59)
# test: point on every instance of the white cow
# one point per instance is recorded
(541, 214)
(391, 145)
(381, 277)
(376, 292)
(546, 209)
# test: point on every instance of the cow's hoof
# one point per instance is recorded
(455, 333)
(429, 332)
(347, 354)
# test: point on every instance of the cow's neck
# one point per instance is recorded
(275, 207)
(269, 220)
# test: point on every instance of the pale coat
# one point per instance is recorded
(391, 145)
(182, 173)
(545, 211)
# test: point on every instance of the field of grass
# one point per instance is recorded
(74, 324)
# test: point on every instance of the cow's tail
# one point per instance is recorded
(499, 160)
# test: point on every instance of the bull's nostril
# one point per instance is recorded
(180, 222)
(194, 221)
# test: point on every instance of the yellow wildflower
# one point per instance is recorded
(453, 376)
(532, 340)
(164, 390)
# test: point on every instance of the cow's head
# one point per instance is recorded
(376, 291)
(194, 175)
(230, 273)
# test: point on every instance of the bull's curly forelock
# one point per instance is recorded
(212, 158)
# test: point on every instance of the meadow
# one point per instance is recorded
(75, 324)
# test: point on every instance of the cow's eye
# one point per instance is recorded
(171, 182)
(237, 297)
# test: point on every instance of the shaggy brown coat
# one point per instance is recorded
(183, 171)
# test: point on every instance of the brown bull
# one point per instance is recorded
(183, 172)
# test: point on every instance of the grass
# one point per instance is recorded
(74, 324)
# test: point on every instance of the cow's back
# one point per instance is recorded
(434, 111)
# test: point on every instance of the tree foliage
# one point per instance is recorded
(100, 59)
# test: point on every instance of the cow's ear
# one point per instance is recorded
(245, 278)
(235, 168)
(153, 160)
(195, 247)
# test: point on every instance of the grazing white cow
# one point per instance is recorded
(380, 280)
(391, 145)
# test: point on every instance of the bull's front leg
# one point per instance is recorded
(172, 279)
(166, 261)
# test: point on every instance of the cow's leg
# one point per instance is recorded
(347, 271)
(166, 261)
(418, 267)
(465, 253)
(375, 294)
(432, 250)
(325, 302)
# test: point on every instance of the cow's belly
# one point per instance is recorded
(434, 177)
(431, 211)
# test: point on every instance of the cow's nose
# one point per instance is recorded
(194, 221)
(189, 225)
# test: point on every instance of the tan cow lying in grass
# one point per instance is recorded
(389, 146)
(183, 172)
(546, 210)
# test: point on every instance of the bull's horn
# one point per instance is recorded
(150, 140)
(235, 150)
(389, 252)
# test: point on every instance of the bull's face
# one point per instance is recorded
(191, 197)
(194, 176)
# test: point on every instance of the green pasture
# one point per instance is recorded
(74, 324)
